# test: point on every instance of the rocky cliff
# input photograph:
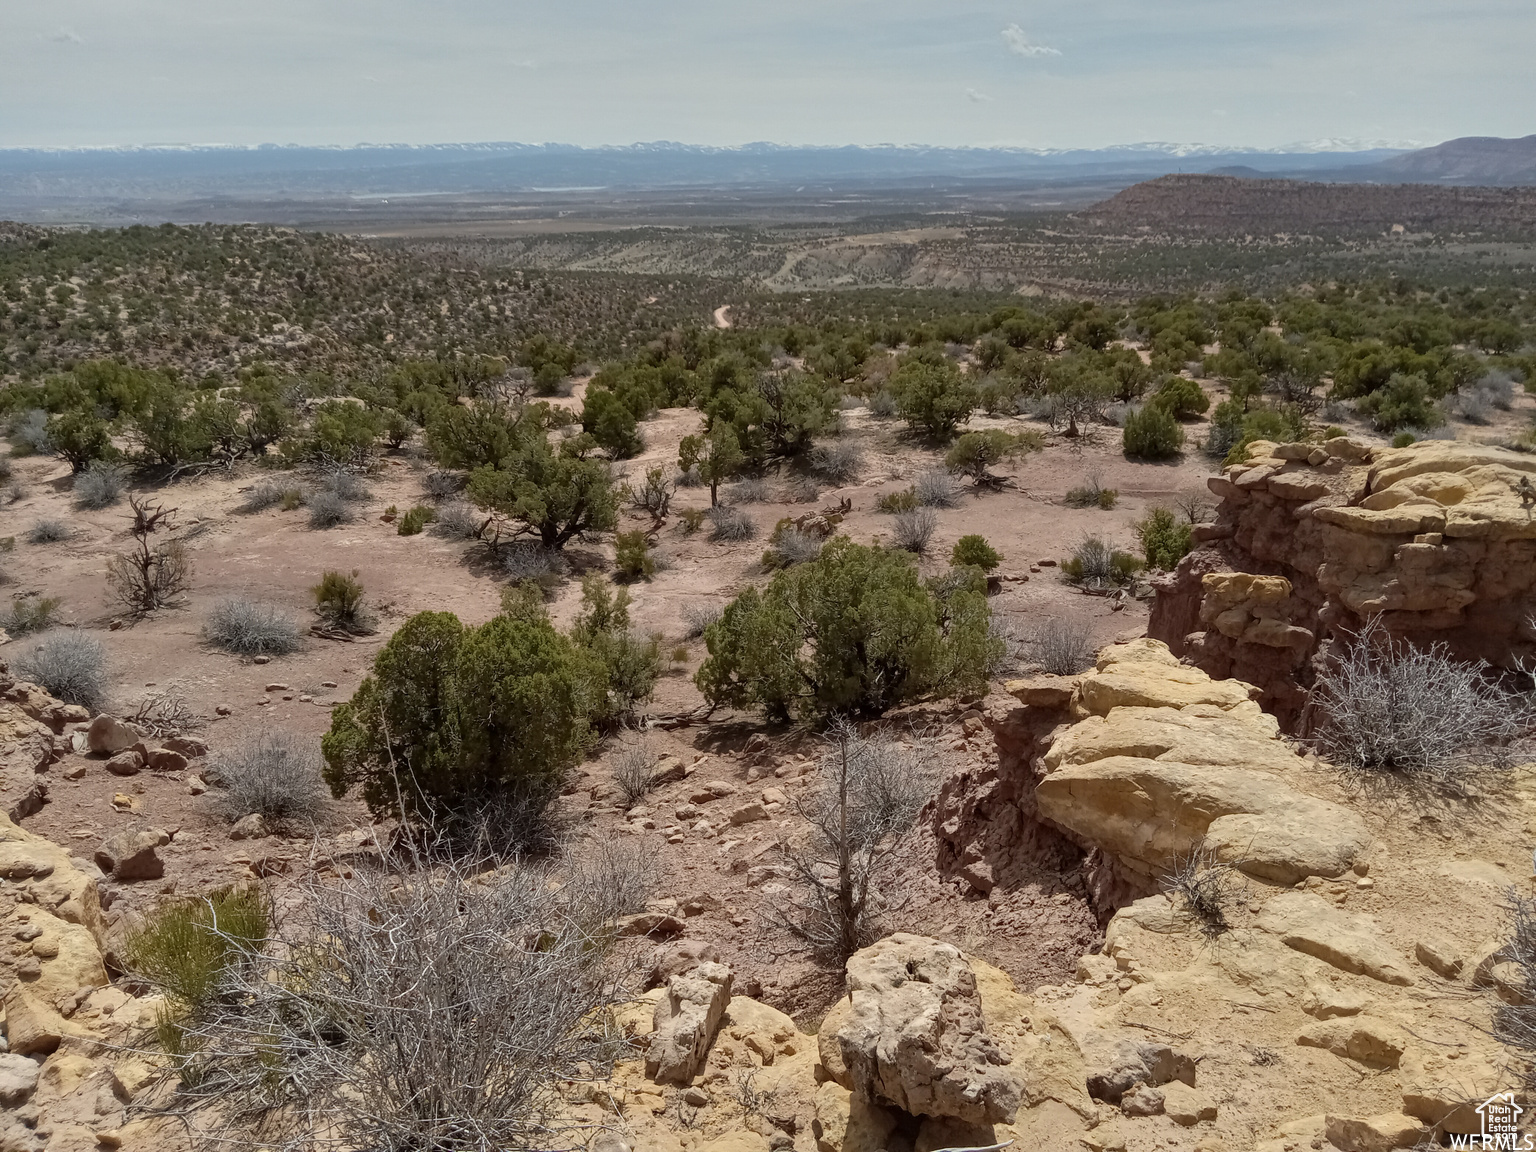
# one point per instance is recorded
(1343, 1002)
(1438, 540)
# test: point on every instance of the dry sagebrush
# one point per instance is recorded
(868, 794)
(423, 1004)
(1390, 707)
(274, 773)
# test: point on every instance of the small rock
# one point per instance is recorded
(774, 796)
(609, 1141)
(667, 770)
(1372, 1133)
(713, 790)
(131, 856)
(109, 735)
(223, 710)
(18, 1079)
(748, 814)
(130, 1077)
(276, 688)
(327, 683)
(252, 827)
(189, 746)
(1186, 1106)
(165, 760)
(688, 812)
(31, 1026)
(1143, 1100)
(649, 924)
(196, 786)
(681, 956)
(124, 803)
(1440, 956)
(1360, 1038)
(702, 903)
(261, 660)
(74, 771)
(696, 1097)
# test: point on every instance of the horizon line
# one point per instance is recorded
(1341, 145)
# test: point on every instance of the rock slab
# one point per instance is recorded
(686, 1019)
(915, 1038)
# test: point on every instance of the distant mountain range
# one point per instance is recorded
(1469, 160)
(457, 169)
(192, 182)
(1212, 205)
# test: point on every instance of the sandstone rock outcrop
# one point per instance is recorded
(31, 738)
(1166, 759)
(685, 1021)
(915, 1036)
(1439, 538)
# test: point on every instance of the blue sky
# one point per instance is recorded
(1047, 73)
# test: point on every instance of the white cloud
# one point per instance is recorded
(1018, 43)
(976, 97)
(66, 36)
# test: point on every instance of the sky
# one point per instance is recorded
(1041, 73)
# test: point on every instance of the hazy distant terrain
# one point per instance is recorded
(371, 186)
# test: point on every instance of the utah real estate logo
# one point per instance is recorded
(1500, 1117)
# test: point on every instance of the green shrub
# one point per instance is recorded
(339, 596)
(975, 552)
(1403, 439)
(1152, 434)
(853, 631)
(611, 423)
(454, 716)
(1165, 539)
(397, 428)
(342, 433)
(894, 502)
(561, 496)
(716, 456)
(1097, 565)
(290, 499)
(974, 454)
(1405, 402)
(692, 519)
(933, 398)
(1182, 397)
(186, 947)
(82, 438)
(1093, 494)
(632, 556)
(30, 614)
(416, 519)
(1283, 425)
(628, 665)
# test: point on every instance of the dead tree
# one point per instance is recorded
(151, 575)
